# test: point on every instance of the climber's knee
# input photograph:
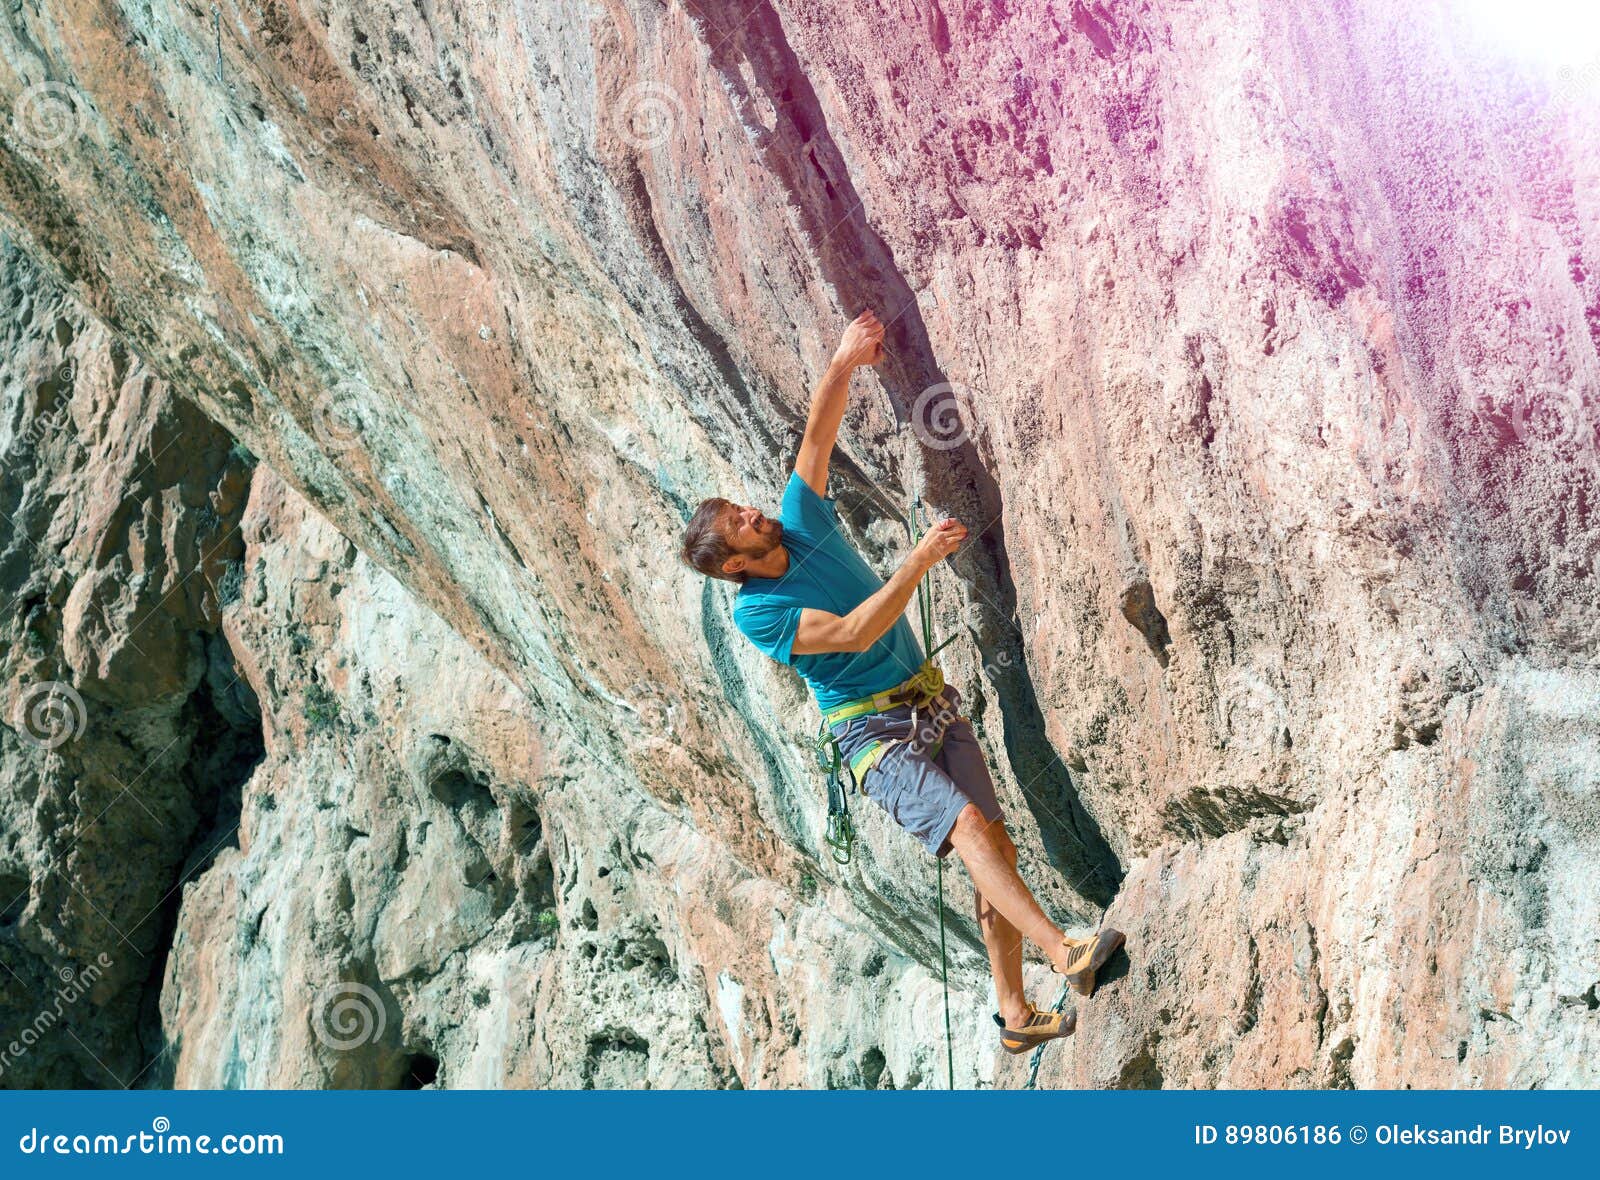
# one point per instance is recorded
(970, 829)
(1002, 839)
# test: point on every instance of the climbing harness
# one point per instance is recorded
(924, 688)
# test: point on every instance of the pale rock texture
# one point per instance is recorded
(1256, 342)
(430, 886)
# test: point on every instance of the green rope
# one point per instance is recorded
(925, 614)
(944, 976)
(1038, 1054)
(924, 594)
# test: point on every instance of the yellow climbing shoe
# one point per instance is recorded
(1088, 956)
(1038, 1028)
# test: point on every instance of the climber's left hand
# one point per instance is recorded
(862, 343)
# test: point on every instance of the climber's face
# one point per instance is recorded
(751, 534)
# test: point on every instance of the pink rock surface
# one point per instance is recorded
(1270, 333)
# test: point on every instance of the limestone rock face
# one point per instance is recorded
(432, 886)
(127, 729)
(1256, 344)
(368, 860)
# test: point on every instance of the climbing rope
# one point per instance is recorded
(944, 979)
(1038, 1053)
(840, 834)
(925, 616)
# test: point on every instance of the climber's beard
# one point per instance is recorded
(769, 535)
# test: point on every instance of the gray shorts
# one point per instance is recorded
(922, 794)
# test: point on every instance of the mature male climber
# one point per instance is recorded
(808, 599)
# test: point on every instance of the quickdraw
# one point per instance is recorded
(841, 832)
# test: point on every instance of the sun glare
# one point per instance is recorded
(1554, 32)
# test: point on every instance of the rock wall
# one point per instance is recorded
(1256, 343)
(128, 731)
(271, 822)
(433, 886)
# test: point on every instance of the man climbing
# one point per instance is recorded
(807, 598)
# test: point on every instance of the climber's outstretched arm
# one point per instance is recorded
(862, 345)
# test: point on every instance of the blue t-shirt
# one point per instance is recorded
(827, 574)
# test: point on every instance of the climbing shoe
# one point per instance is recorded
(1038, 1028)
(1088, 956)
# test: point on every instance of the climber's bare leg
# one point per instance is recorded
(995, 877)
(1004, 945)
